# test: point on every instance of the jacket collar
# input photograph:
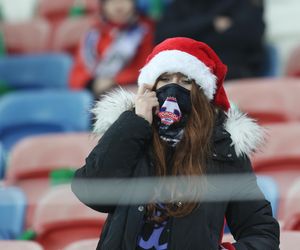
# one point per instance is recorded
(246, 136)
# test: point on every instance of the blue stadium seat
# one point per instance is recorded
(12, 212)
(271, 62)
(35, 71)
(2, 166)
(270, 189)
(37, 112)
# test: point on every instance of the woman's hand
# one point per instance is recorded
(145, 101)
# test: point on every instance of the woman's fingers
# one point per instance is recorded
(142, 89)
(145, 101)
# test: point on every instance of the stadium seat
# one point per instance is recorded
(68, 34)
(36, 71)
(2, 161)
(280, 158)
(61, 219)
(12, 212)
(291, 218)
(270, 189)
(89, 244)
(271, 62)
(17, 11)
(288, 240)
(19, 244)
(293, 63)
(26, 37)
(56, 10)
(38, 112)
(51, 152)
(268, 100)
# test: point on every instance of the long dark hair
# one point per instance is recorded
(190, 155)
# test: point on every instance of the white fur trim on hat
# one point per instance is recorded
(173, 61)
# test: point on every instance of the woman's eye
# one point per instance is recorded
(164, 79)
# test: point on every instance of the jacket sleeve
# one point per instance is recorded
(251, 221)
(114, 158)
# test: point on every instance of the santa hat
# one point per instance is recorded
(194, 59)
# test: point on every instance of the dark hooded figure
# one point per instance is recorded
(233, 28)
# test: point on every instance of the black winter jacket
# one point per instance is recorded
(122, 153)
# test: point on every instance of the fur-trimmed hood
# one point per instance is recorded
(246, 135)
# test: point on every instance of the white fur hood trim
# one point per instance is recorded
(247, 136)
(110, 107)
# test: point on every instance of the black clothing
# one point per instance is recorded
(240, 47)
(123, 152)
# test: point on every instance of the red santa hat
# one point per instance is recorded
(192, 58)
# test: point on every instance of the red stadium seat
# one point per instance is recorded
(27, 37)
(83, 244)
(268, 100)
(280, 157)
(292, 208)
(57, 10)
(69, 33)
(32, 160)
(61, 219)
(288, 240)
(18, 244)
(293, 63)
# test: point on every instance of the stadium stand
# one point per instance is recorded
(293, 63)
(69, 33)
(29, 113)
(271, 64)
(61, 219)
(83, 244)
(51, 153)
(57, 10)
(268, 100)
(292, 208)
(12, 212)
(288, 240)
(36, 71)
(19, 244)
(280, 157)
(2, 161)
(26, 37)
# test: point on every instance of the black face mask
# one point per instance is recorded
(175, 107)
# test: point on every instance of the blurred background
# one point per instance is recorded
(58, 56)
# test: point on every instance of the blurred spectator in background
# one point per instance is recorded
(233, 28)
(114, 50)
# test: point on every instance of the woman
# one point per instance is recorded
(182, 126)
(113, 51)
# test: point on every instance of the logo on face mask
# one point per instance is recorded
(170, 112)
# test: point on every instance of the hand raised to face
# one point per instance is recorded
(145, 101)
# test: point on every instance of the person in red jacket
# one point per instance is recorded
(114, 49)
